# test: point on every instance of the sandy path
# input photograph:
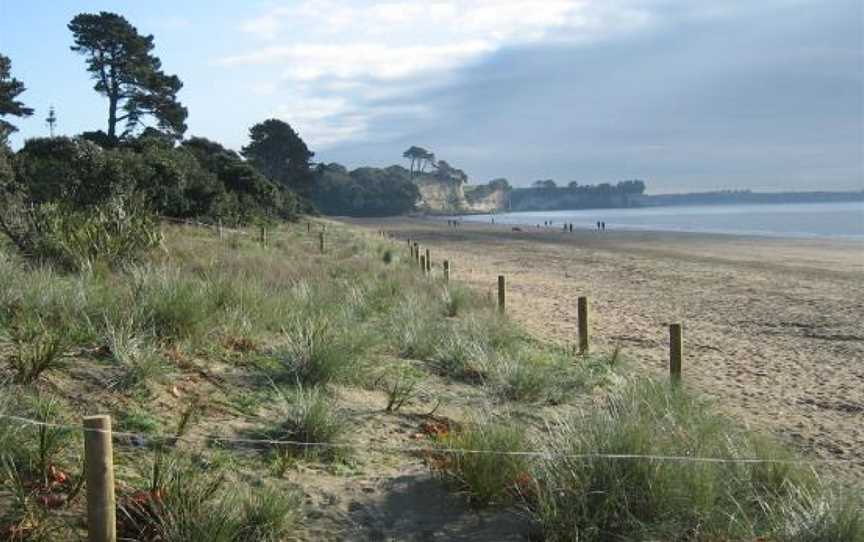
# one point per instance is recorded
(773, 328)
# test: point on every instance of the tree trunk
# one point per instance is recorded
(112, 116)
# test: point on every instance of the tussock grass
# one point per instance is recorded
(609, 499)
(311, 417)
(485, 477)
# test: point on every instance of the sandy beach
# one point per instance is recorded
(772, 327)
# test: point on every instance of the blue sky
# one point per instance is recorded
(688, 95)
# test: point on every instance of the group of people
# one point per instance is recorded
(568, 226)
(454, 223)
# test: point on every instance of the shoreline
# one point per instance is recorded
(772, 330)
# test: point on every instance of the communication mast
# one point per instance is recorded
(51, 120)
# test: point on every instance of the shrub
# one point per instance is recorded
(35, 349)
(401, 385)
(115, 232)
(486, 477)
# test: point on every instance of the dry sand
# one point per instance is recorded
(773, 327)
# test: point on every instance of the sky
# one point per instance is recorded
(686, 95)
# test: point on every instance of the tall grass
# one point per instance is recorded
(491, 469)
(599, 499)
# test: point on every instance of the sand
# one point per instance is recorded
(773, 327)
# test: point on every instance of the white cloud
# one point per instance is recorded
(332, 47)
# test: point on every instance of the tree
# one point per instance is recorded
(128, 74)
(10, 88)
(420, 158)
(547, 184)
(278, 152)
(445, 171)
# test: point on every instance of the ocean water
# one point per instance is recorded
(838, 220)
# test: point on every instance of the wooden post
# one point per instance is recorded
(321, 242)
(219, 228)
(446, 270)
(582, 310)
(416, 252)
(502, 295)
(263, 236)
(423, 264)
(428, 266)
(308, 227)
(99, 469)
(676, 352)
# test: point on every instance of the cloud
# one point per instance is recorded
(381, 50)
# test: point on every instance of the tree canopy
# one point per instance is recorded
(419, 159)
(10, 88)
(278, 152)
(128, 74)
(364, 191)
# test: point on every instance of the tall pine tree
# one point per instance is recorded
(128, 74)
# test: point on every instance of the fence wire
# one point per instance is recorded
(143, 440)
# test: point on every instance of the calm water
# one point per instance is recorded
(844, 220)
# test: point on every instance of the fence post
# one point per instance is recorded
(676, 352)
(99, 469)
(416, 252)
(582, 310)
(219, 228)
(321, 242)
(308, 227)
(263, 236)
(428, 265)
(446, 270)
(502, 295)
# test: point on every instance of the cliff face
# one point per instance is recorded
(446, 196)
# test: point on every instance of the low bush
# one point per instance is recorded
(112, 233)
(35, 348)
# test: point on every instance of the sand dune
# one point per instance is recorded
(773, 328)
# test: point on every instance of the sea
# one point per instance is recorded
(844, 220)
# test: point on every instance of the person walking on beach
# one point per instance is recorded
(571, 227)
(603, 226)
(598, 225)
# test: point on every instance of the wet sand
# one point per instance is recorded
(773, 327)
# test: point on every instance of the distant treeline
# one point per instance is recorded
(724, 197)
(546, 195)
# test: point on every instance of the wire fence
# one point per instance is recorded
(144, 439)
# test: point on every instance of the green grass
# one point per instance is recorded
(311, 417)
(485, 477)
(597, 499)
(196, 326)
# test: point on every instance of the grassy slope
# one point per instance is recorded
(231, 339)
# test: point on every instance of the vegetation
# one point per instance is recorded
(277, 151)
(364, 191)
(126, 72)
(547, 195)
(578, 495)
(201, 341)
(10, 89)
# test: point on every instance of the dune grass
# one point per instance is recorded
(287, 326)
